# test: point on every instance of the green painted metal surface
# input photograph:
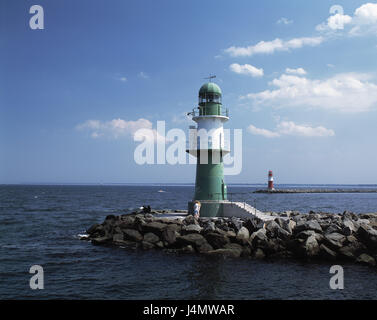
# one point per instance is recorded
(210, 87)
(210, 109)
(209, 182)
(210, 99)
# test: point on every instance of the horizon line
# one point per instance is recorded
(174, 183)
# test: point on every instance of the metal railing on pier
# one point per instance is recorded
(234, 197)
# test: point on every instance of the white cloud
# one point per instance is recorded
(269, 47)
(119, 77)
(284, 21)
(292, 129)
(246, 69)
(117, 128)
(367, 13)
(143, 75)
(299, 71)
(347, 92)
(362, 22)
(335, 22)
(262, 132)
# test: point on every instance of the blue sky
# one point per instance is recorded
(300, 81)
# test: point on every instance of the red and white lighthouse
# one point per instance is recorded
(270, 181)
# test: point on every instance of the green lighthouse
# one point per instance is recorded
(208, 145)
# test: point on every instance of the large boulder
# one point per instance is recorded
(222, 224)
(217, 240)
(324, 224)
(311, 246)
(159, 244)
(96, 230)
(271, 228)
(234, 247)
(204, 248)
(194, 239)
(127, 219)
(348, 227)
(366, 259)
(235, 223)
(305, 234)
(169, 235)
(283, 234)
(280, 222)
(147, 245)
(259, 236)
(186, 249)
(231, 235)
(313, 216)
(118, 237)
(101, 240)
(259, 254)
(133, 235)
(334, 228)
(155, 227)
(327, 253)
(285, 214)
(361, 222)
(191, 228)
(271, 246)
(368, 236)
(308, 225)
(176, 227)
(289, 225)
(243, 233)
(151, 237)
(352, 249)
(334, 240)
(349, 215)
(209, 226)
(251, 225)
(190, 220)
(319, 237)
(352, 239)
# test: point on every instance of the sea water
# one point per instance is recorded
(40, 225)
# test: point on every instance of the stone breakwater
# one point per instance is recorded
(317, 191)
(314, 236)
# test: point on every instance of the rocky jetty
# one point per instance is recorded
(316, 191)
(314, 236)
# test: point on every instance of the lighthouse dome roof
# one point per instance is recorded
(209, 87)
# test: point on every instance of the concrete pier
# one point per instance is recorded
(317, 191)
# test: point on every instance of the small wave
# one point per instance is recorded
(82, 236)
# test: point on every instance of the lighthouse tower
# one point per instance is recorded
(270, 181)
(207, 144)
